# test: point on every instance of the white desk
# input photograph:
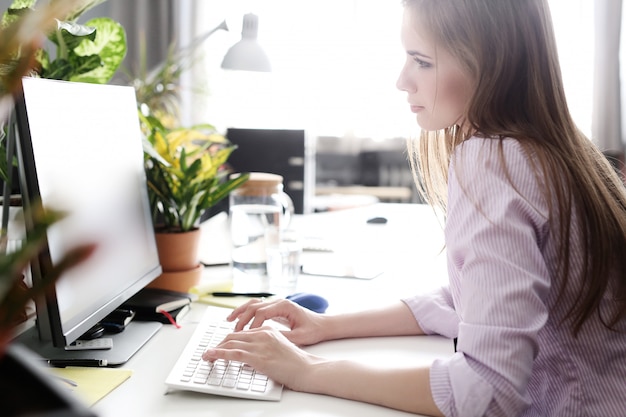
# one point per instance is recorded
(411, 241)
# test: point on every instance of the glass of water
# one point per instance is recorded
(284, 263)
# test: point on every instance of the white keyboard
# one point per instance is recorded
(229, 378)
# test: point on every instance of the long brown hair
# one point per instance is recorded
(507, 48)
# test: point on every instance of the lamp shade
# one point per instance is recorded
(247, 54)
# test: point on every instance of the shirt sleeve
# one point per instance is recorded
(495, 231)
(435, 313)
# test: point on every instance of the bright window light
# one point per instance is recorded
(335, 65)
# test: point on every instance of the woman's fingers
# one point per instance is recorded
(265, 349)
(257, 312)
(237, 312)
(255, 347)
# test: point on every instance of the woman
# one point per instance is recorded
(535, 235)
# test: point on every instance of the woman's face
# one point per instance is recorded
(437, 88)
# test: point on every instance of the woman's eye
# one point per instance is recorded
(422, 64)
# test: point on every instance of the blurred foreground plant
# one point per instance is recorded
(22, 31)
(14, 294)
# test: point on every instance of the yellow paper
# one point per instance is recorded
(92, 384)
(204, 294)
(214, 286)
(229, 302)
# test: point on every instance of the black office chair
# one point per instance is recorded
(277, 151)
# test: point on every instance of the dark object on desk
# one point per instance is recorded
(209, 265)
(117, 320)
(174, 314)
(311, 301)
(243, 294)
(26, 389)
(64, 363)
(149, 303)
(112, 327)
(93, 333)
(121, 316)
(377, 220)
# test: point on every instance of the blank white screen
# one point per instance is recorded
(89, 159)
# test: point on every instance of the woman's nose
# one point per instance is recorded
(404, 82)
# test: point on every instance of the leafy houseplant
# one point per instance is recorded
(185, 166)
(186, 174)
(89, 53)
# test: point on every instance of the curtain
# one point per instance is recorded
(607, 120)
(149, 24)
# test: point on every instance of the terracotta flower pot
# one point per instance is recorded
(178, 254)
(178, 251)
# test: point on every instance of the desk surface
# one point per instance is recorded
(410, 245)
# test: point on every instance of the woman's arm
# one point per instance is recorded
(307, 328)
(392, 320)
(268, 351)
(402, 389)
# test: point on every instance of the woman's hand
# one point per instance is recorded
(305, 326)
(268, 351)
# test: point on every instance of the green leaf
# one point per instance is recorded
(15, 10)
(42, 56)
(109, 44)
(224, 189)
(84, 64)
(72, 34)
(59, 69)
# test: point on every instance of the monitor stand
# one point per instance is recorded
(125, 344)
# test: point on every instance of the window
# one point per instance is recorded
(574, 30)
(335, 65)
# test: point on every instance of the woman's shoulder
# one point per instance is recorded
(482, 165)
(486, 154)
(477, 146)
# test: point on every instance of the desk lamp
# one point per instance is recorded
(247, 54)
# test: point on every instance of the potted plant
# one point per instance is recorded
(90, 52)
(186, 175)
(185, 166)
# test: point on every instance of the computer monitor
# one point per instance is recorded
(80, 150)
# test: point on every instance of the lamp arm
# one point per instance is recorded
(198, 40)
(180, 54)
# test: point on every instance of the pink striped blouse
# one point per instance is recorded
(515, 357)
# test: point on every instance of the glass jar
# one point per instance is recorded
(259, 210)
